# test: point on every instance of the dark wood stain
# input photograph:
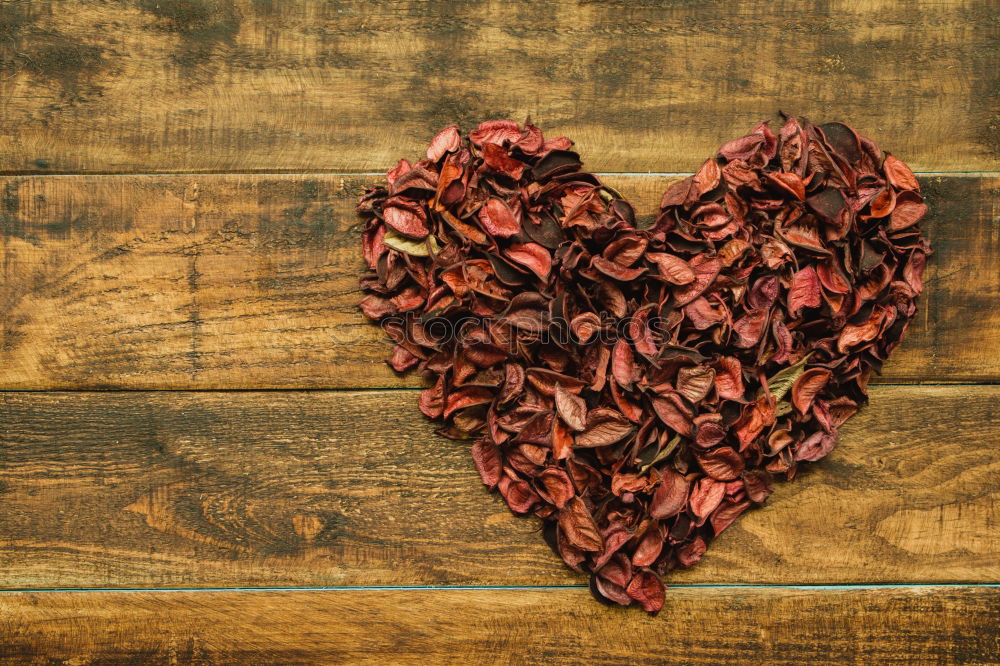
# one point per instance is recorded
(202, 25)
(47, 54)
(351, 86)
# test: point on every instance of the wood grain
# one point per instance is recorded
(157, 282)
(307, 85)
(353, 488)
(921, 625)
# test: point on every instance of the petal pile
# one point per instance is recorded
(639, 389)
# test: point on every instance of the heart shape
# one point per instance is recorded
(639, 389)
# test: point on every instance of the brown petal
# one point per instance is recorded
(673, 269)
(707, 178)
(623, 366)
(546, 381)
(640, 334)
(899, 174)
(579, 527)
(729, 378)
(432, 399)
(616, 271)
(689, 554)
(402, 360)
(528, 311)
(705, 271)
(694, 383)
(709, 430)
(722, 463)
(609, 591)
(585, 326)
(726, 514)
(466, 396)
(749, 328)
(673, 414)
(487, 458)
(495, 131)
(702, 314)
(815, 447)
(562, 440)
(647, 589)
(650, 546)
(604, 426)
(625, 251)
(789, 182)
(555, 486)
(807, 386)
(671, 496)
(706, 495)
(571, 409)
(518, 494)
(855, 334)
(909, 209)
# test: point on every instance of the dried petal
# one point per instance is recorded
(447, 140)
(487, 458)
(807, 386)
(671, 496)
(571, 409)
(579, 527)
(497, 219)
(647, 590)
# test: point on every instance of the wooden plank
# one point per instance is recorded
(245, 85)
(155, 282)
(353, 488)
(916, 625)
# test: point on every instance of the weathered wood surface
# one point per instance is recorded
(212, 281)
(306, 85)
(354, 488)
(916, 625)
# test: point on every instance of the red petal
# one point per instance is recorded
(495, 131)
(807, 386)
(487, 458)
(899, 175)
(446, 141)
(407, 218)
(648, 590)
(805, 291)
(497, 218)
(531, 256)
(671, 496)
(500, 160)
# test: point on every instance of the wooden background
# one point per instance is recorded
(202, 456)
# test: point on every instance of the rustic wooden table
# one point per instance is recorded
(178, 240)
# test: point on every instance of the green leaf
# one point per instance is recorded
(416, 248)
(781, 383)
(662, 455)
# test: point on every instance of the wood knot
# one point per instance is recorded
(307, 526)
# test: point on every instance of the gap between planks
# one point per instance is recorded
(386, 389)
(375, 174)
(459, 588)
